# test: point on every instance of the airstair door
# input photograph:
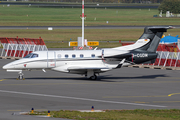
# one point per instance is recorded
(51, 59)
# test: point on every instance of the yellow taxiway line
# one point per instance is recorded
(2, 79)
(173, 94)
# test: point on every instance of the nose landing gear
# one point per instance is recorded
(20, 76)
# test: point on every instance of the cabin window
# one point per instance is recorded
(34, 56)
(66, 56)
(73, 56)
(28, 56)
(81, 55)
(93, 55)
(59, 55)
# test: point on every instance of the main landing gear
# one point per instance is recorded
(91, 75)
(94, 77)
(20, 76)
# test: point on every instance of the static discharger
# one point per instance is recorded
(32, 110)
(48, 113)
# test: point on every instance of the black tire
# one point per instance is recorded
(93, 77)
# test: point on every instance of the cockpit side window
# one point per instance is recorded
(34, 56)
(29, 55)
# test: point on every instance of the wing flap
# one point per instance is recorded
(86, 68)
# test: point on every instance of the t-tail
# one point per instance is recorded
(154, 34)
(144, 49)
(149, 40)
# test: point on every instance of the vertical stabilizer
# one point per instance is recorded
(154, 33)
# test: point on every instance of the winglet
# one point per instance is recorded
(121, 63)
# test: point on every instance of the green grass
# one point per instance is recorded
(137, 114)
(54, 38)
(49, 16)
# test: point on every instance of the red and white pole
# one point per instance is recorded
(83, 23)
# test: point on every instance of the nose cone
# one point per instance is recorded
(8, 66)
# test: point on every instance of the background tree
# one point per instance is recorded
(170, 5)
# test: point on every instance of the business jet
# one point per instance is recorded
(92, 62)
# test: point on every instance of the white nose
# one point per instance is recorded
(8, 66)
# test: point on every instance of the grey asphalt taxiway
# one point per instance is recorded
(125, 88)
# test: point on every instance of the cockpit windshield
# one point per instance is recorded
(34, 56)
(31, 55)
(28, 56)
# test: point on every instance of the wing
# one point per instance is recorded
(82, 69)
(85, 67)
(95, 68)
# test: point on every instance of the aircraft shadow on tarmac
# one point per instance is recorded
(131, 78)
(105, 78)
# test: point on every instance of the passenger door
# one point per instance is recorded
(51, 59)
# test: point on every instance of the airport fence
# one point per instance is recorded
(20, 47)
(168, 55)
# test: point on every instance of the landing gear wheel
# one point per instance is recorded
(94, 77)
(20, 76)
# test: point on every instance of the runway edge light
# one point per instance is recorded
(92, 109)
(32, 110)
(48, 113)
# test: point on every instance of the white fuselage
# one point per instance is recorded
(86, 62)
(66, 61)
(77, 61)
(92, 62)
